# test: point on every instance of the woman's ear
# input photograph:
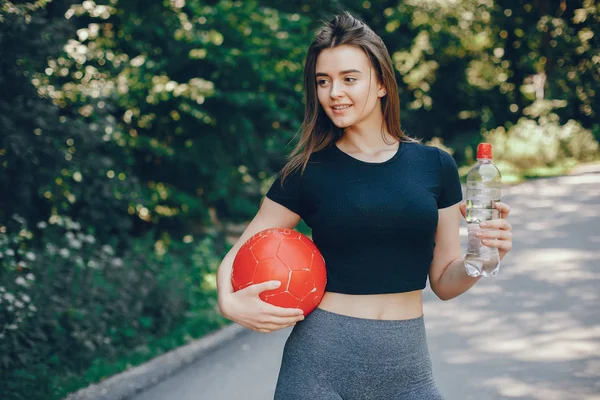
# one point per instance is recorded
(381, 92)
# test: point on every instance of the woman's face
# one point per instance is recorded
(347, 86)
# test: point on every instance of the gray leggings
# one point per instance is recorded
(331, 356)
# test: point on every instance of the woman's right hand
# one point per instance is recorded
(246, 308)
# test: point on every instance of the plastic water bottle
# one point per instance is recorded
(484, 183)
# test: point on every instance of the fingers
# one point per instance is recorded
(273, 318)
(286, 320)
(505, 245)
(272, 328)
(494, 234)
(270, 324)
(502, 239)
(282, 311)
(279, 322)
(497, 232)
(503, 208)
(501, 224)
(258, 288)
(262, 316)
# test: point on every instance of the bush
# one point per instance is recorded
(539, 140)
(66, 299)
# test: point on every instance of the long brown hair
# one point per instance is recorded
(317, 130)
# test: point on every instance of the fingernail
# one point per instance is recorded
(484, 224)
(276, 284)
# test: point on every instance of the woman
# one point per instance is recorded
(384, 211)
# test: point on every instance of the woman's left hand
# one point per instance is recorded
(497, 232)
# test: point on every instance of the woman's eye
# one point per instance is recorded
(322, 82)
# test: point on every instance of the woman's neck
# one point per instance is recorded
(367, 138)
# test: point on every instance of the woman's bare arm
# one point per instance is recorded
(267, 317)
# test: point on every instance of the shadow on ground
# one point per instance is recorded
(533, 332)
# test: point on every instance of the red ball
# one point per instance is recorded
(287, 256)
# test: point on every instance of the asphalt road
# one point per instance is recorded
(531, 333)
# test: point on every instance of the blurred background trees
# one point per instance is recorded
(138, 138)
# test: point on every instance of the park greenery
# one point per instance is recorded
(137, 139)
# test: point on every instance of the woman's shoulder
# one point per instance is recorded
(416, 145)
(318, 158)
(315, 160)
(429, 155)
(420, 149)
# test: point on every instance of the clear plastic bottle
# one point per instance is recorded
(484, 183)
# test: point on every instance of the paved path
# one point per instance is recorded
(531, 333)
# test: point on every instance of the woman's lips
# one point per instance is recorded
(341, 108)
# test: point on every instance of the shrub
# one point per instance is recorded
(539, 140)
(66, 299)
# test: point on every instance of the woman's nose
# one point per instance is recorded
(335, 90)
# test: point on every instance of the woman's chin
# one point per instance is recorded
(342, 126)
(341, 123)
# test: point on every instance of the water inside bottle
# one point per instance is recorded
(480, 259)
(481, 200)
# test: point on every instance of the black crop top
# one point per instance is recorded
(374, 223)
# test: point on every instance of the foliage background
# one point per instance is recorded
(136, 139)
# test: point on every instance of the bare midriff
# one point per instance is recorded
(392, 306)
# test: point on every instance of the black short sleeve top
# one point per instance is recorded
(374, 223)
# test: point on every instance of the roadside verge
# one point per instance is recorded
(137, 379)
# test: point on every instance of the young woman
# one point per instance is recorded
(384, 211)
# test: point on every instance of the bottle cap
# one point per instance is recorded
(484, 150)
